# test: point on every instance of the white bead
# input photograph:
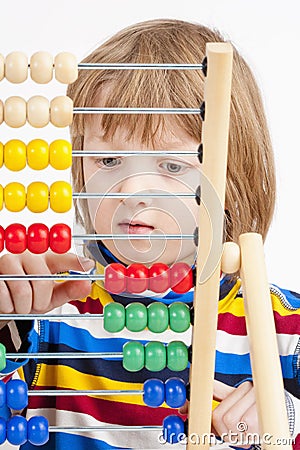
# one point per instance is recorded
(1, 112)
(38, 111)
(61, 111)
(15, 112)
(41, 67)
(16, 67)
(66, 68)
(231, 258)
(1, 67)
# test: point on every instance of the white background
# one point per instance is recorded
(265, 32)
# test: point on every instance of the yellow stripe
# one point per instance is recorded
(69, 378)
(231, 304)
(21, 373)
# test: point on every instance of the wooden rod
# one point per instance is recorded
(217, 94)
(265, 362)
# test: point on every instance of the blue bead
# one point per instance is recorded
(38, 430)
(17, 430)
(173, 429)
(2, 393)
(17, 394)
(154, 392)
(175, 392)
(2, 430)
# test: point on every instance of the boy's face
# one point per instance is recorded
(147, 175)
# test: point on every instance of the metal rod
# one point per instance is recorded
(95, 110)
(105, 427)
(51, 316)
(130, 66)
(77, 195)
(80, 153)
(67, 355)
(70, 393)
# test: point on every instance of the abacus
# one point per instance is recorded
(137, 278)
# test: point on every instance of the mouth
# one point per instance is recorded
(135, 227)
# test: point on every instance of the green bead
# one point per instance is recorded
(133, 356)
(2, 357)
(136, 317)
(158, 317)
(177, 356)
(114, 317)
(180, 319)
(155, 356)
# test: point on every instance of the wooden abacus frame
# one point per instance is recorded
(260, 324)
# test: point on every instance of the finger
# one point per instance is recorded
(41, 289)
(68, 261)
(227, 415)
(20, 290)
(6, 304)
(222, 390)
(70, 290)
(184, 409)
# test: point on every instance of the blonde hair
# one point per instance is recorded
(250, 189)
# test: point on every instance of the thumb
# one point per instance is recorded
(68, 261)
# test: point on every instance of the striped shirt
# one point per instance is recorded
(88, 335)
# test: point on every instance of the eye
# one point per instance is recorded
(173, 167)
(108, 162)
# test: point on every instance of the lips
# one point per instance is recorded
(136, 227)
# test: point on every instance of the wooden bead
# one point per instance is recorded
(38, 238)
(60, 154)
(60, 196)
(38, 112)
(61, 111)
(37, 197)
(15, 155)
(15, 112)
(60, 238)
(1, 67)
(41, 67)
(66, 68)
(1, 111)
(38, 154)
(1, 197)
(231, 258)
(1, 154)
(16, 67)
(15, 197)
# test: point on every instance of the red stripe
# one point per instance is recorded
(92, 306)
(235, 325)
(104, 410)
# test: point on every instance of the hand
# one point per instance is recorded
(41, 296)
(236, 413)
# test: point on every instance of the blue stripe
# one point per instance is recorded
(65, 440)
(228, 363)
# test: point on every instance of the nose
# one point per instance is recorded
(139, 187)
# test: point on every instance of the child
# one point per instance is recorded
(250, 200)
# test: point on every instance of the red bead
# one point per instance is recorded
(137, 278)
(2, 238)
(181, 277)
(60, 238)
(15, 238)
(115, 278)
(38, 238)
(159, 277)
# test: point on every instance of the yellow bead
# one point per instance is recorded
(60, 196)
(38, 154)
(1, 197)
(15, 155)
(14, 197)
(60, 154)
(1, 154)
(37, 197)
